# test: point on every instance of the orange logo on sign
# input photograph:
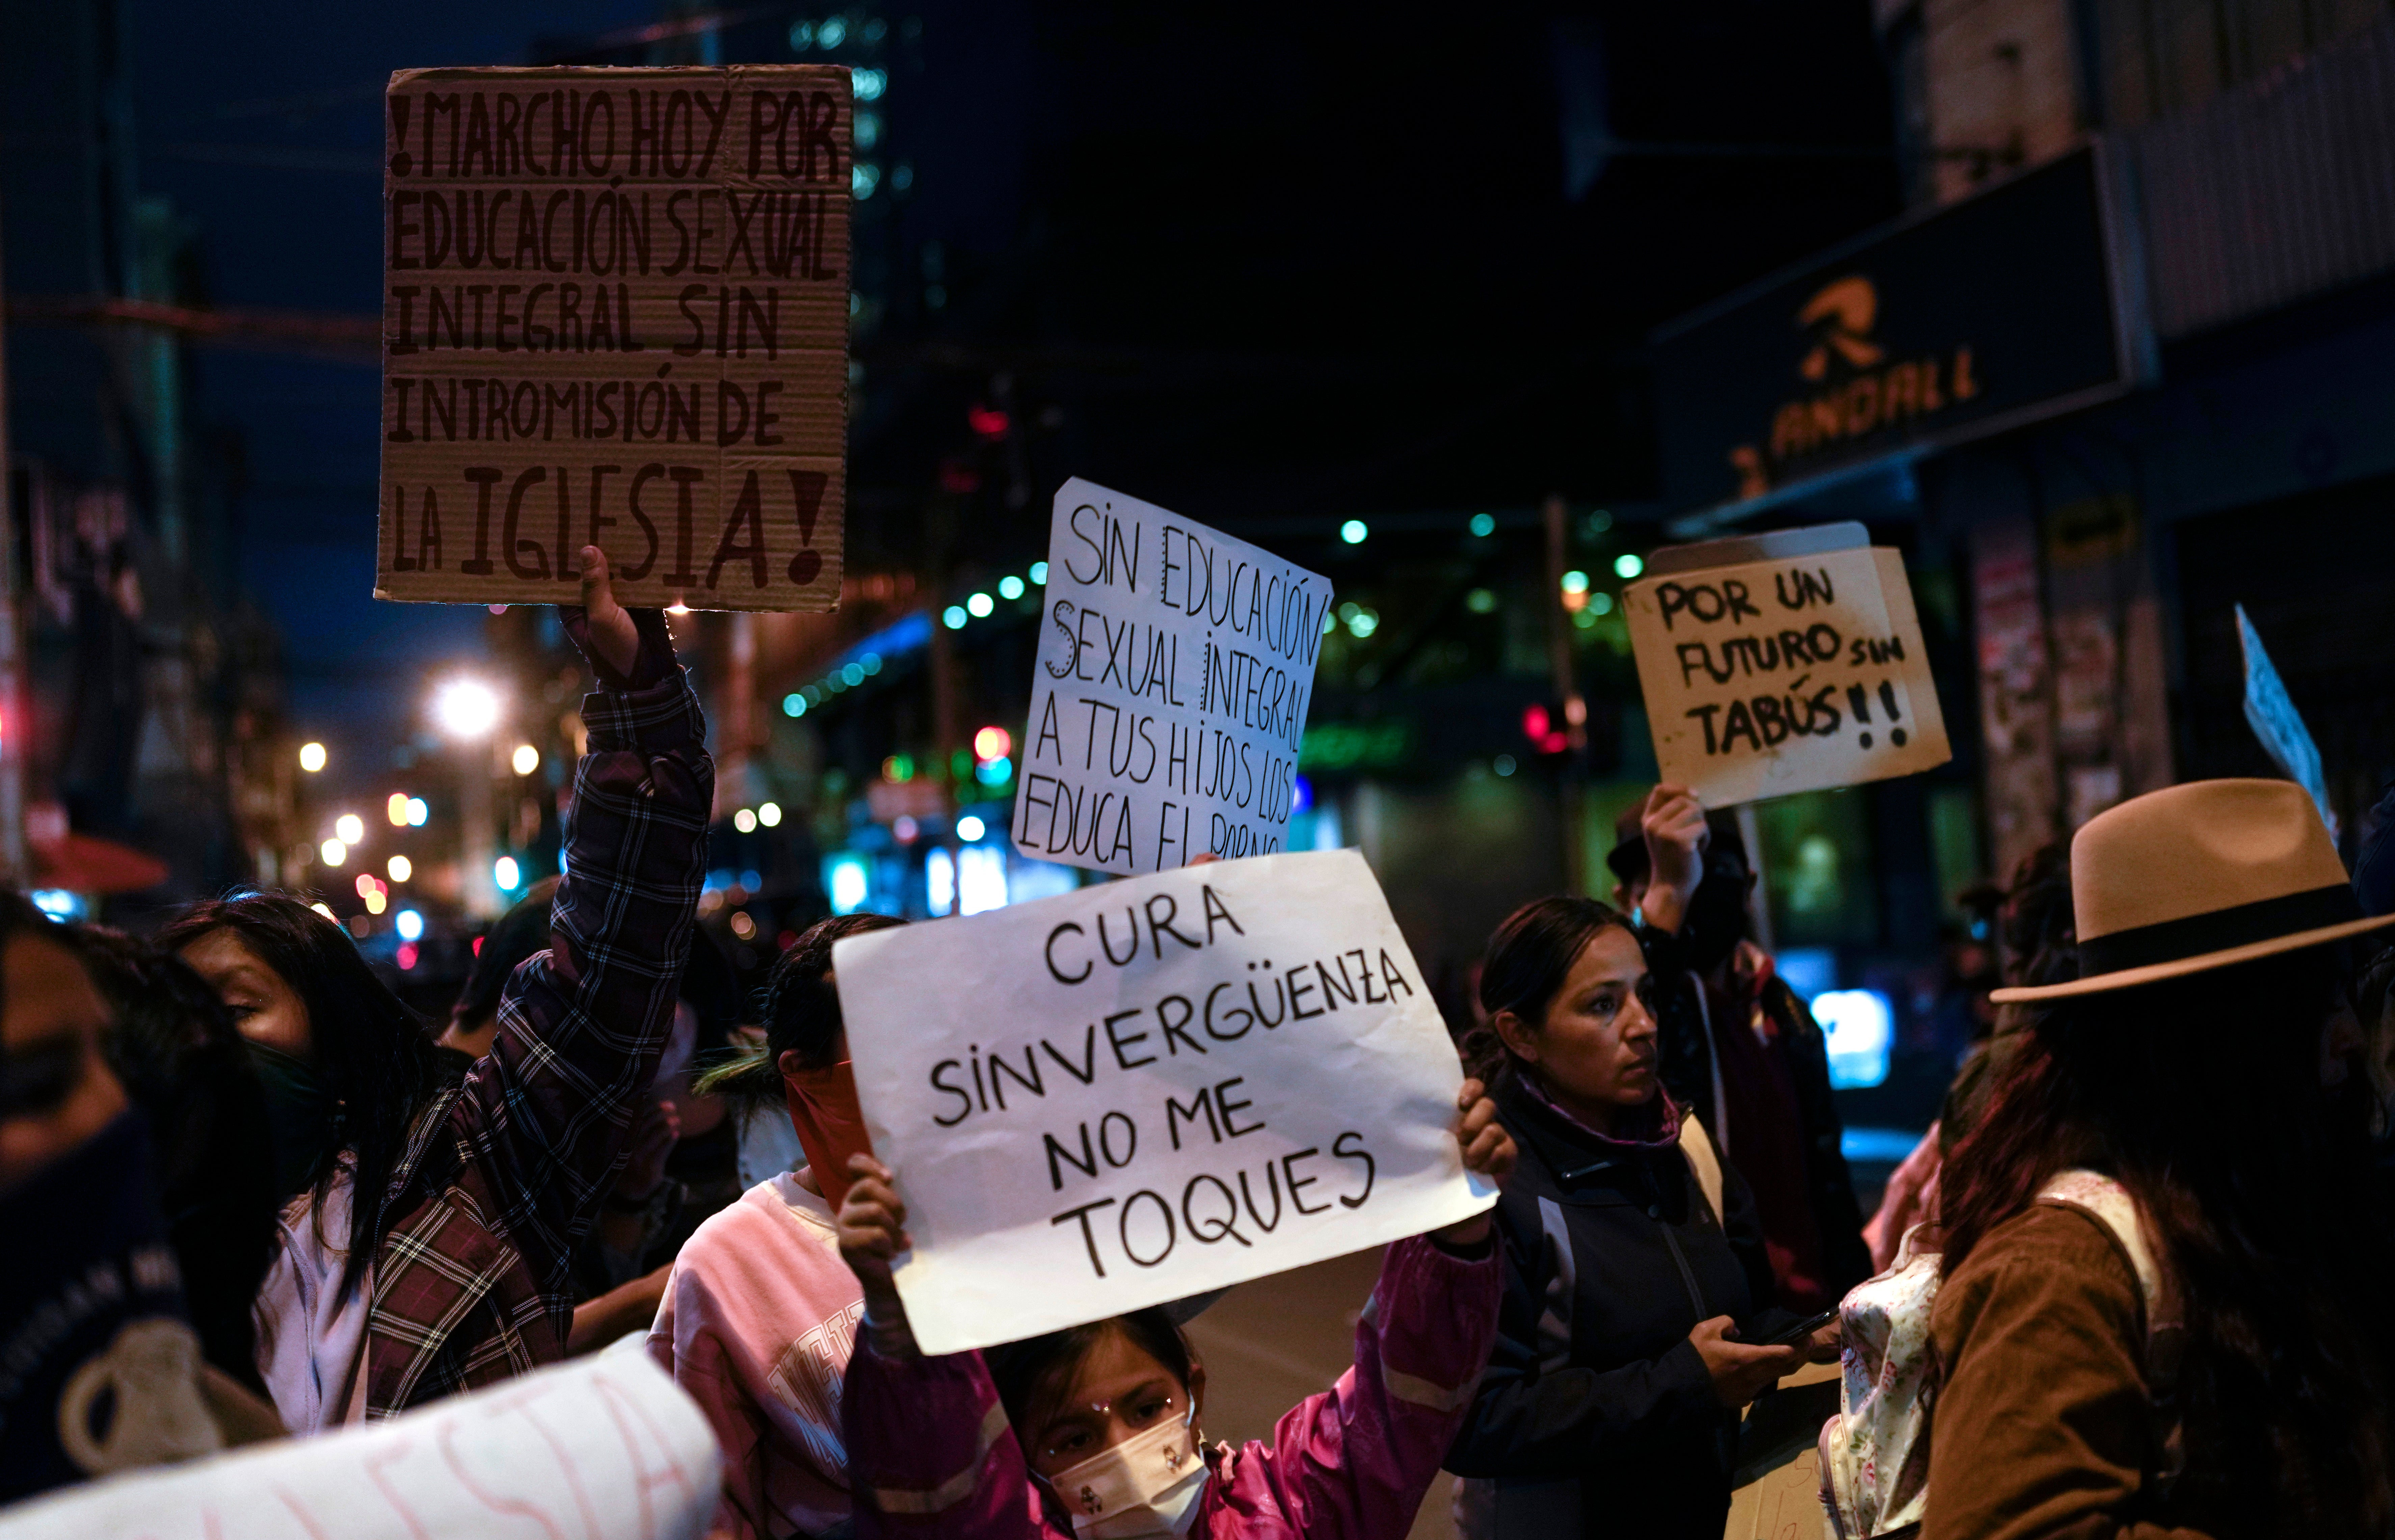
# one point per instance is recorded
(1856, 390)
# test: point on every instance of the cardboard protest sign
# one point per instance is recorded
(1169, 699)
(2272, 715)
(1147, 1089)
(1783, 663)
(607, 1448)
(616, 313)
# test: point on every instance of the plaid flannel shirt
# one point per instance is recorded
(505, 1172)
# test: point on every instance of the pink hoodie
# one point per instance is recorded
(936, 1459)
(757, 1324)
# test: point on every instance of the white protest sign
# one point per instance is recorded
(2272, 715)
(1169, 699)
(603, 1448)
(1794, 665)
(1147, 1089)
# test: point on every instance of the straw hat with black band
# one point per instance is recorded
(2202, 876)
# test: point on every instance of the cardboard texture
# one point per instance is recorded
(1149, 1089)
(1776, 1490)
(1169, 698)
(615, 312)
(1787, 673)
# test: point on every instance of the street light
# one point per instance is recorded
(333, 852)
(400, 868)
(311, 757)
(351, 827)
(466, 708)
(527, 759)
(396, 809)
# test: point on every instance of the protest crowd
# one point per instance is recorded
(2131, 1284)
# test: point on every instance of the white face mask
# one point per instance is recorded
(1147, 1485)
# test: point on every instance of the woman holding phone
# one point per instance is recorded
(1634, 1324)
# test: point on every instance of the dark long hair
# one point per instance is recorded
(1528, 957)
(1031, 1374)
(2202, 1097)
(183, 1061)
(371, 1051)
(801, 1013)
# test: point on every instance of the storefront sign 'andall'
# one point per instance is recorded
(1962, 322)
(616, 313)
(1783, 663)
(1852, 388)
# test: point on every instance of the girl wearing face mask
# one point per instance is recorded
(760, 1312)
(1106, 1420)
(426, 1243)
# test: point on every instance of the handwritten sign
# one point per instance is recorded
(1169, 698)
(1147, 1089)
(616, 313)
(1789, 673)
(2270, 712)
(606, 1448)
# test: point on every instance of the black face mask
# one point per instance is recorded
(301, 1117)
(98, 1369)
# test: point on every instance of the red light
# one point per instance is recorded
(1534, 723)
(986, 422)
(959, 479)
(408, 954)
(992, 743)
(1554, 743)
(478, 946)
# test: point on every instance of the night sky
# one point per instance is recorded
(302, 83)
(1273, 267)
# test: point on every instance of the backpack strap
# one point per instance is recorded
(2115, 1212)
(1699, 1148)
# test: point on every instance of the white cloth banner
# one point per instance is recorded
(1151, 1088)
(603, 1449)
(1169, 698)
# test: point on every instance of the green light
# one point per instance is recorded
(1627, 565)
(1353, 531)
(1575, 582)
(1010, 587)
(794, 704)
(954, 618)
(1483, 525)
(1480, 600)
(1039, 573)
(980, 605)
(1600, 603)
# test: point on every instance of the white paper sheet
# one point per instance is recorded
(1030, 1072)
(599, 1448)
(1169, 699)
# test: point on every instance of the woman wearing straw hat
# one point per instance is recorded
(2164, 1306)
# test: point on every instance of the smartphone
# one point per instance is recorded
(1800, 1331)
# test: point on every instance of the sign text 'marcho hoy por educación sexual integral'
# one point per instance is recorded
(616, 313)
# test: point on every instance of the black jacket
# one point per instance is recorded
(1595, 1416)
(1688, 1068)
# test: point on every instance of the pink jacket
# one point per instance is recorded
(757, 1324)
(930, 1454)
